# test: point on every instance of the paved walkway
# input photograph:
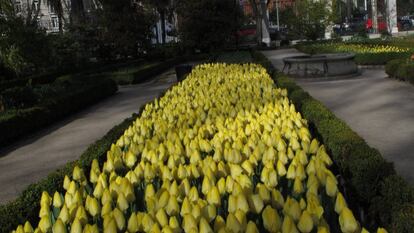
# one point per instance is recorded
(379, 109)
(33, 158)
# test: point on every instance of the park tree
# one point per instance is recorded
(123, 27)
(208, 24)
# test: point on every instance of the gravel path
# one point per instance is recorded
(33, 158)
(379, 109)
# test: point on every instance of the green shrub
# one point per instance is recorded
(18, 97)
(23, 121)
(392, 67)
(403, 219)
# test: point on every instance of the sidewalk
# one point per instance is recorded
(379, 109)
(33, 158)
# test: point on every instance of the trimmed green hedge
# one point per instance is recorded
(402, 69)
(23, 121)
(370, 182)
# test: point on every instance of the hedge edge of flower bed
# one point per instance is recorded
(401, 69)
(25, 121)
(375, 190)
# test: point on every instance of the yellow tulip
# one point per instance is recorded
(19, 229)
(45, 199)
(57, 200)
(81, 215)
(59, 227)
(347, 221)
(331, 186)
(340, 203)
(94, 207)
(64, 214)
(76, 226)
(263, 192)
(219, 223)
(233, 224)
(189, 223)
(292, 209)
(288, 225)
(28, 227)
(251, 227)
(213, 196)
(110, 227)
(381, 230)
(172, 207)
(174, 224)
(242, 203)
(256, 204)
(45, 224)
(130, 159)
(271, 219)
(66, 182)
(209, 212)
(204, 226)
(78, 174)
(185, 207)
(305, 223)
(119, 219)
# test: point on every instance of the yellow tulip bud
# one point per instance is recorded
(204, 226)
(130, 159)
(72, 188)
(221, 186)
(347, 221)
(172, 207)
(122, 202)
(19, 229)
(76, 226)
(331, 186)
(189, 223)
(64, 214)
(106, 197)
(213, 196)
(45, 199)
(305, 222)
(28, 227)
(57, 200)
(82, 215)
(292, 208)
(59, 227)
(45, 224)
(78, 174)
(174, 224)
(193, 194)
(381, 230)
(340, 203)
(323, 229)
(219, 223)
(161, 217)
(44, 211)
(289, 225)
(66, 182)
(110, 227)
(209, 212)
(251, 227)
(271, 219)
(277, 199)
(256, 204)
(94, 207)
(297, 186)
(119, 219)
(196, 212)
(232, 223)
(263, 192)
(242, 203)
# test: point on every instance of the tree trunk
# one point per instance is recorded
(256, 13)
(60, 24)
(163, 33)
(76, 11)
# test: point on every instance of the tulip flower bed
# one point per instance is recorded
(366, 54)
(223, 151)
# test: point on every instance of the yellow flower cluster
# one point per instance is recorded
(222, 151)
(361, 48)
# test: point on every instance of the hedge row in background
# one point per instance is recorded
(50, 77)
(139, 74)
(21, 121)
(402, 69)
(382, 197)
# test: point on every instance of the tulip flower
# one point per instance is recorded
(347, 221)
(271, 219)
(119, 219)
(27, 227)
(59, 227)
(76, 226)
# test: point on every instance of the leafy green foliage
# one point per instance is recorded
(208, 25)
(402, 69)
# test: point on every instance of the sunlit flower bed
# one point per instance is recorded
(222, 151)
(360, 48)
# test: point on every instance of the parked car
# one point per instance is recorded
(405, 22)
